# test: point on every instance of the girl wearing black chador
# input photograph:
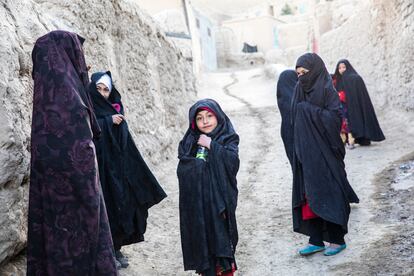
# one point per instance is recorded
(128, 185)
(209, 162)
(360, 124)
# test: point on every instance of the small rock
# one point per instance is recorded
(405, 167)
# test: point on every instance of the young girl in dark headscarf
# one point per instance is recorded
(209, 162)
(360, 122)
(321, 192)
(129, 187)
(68, 231)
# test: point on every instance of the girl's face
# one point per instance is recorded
(206, 121)
(341, 68)
(103, 90)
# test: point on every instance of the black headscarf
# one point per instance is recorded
(285, 87)
(349, 68)
(223, 132)
(314, 84)
(318, 166)
(129, 187)
(362, 120)
(100, 103)
(66, 49)
(207, 189)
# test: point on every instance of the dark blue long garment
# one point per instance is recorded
(318, 159)
(207, 191)
(128, 185)
(362, 120)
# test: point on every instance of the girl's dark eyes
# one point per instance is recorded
(102, 89)
(209, 115)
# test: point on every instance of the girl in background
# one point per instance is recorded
(128, 185)
(361, 121)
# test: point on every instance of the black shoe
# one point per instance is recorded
(121, 259)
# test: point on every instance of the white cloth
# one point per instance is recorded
(106, 80)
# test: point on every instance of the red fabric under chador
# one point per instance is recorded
(219, 271)
(307, 212)
(342, 96)
(344, 124)
(117, 107)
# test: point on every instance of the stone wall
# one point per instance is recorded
(155, 80)
(378, 40)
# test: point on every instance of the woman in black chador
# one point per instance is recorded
(68, 229)
(209, 161)
(321, 192)
(360, 122)
(129, 187)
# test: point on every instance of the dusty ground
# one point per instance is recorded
(381, 227)
(394, 253)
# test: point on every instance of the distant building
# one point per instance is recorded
(260, 31)
(203, 36)
(192, 31)
(280, 29)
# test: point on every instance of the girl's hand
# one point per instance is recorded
(117, 119)
(204, 141)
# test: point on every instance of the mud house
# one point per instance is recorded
(205, 32)
(247, 39)
(279, 31)
(191, 30)
(256, 27)
(260, 31)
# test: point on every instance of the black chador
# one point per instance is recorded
(129, 187)
(208, 195)
(362, 121)
(319, 177)
(285, 87)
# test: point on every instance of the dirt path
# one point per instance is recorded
(393, 254)
(267, 243)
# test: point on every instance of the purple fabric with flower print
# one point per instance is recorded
(68, 230)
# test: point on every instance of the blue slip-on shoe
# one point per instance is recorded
(330, 251)
(310, 249)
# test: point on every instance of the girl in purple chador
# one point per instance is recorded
(68, 231)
